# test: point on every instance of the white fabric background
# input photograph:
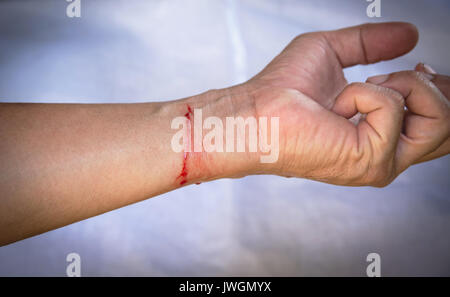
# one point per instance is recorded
(136, 51)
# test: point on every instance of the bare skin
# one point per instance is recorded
(62, 163)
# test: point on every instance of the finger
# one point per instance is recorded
(421, 67)
(371, 43)
(427, 123)
(381, 126)
(442, 82)
(442, 150)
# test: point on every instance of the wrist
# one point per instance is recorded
(225, 160)
(215, 154)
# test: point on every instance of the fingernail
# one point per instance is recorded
(378, 80)
(419, 67)
(428, 69)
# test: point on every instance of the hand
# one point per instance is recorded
(305, 87)
(312, 63)
(62, 163)
(427, 117)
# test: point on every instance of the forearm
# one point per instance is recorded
(61, 163)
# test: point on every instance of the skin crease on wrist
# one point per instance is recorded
(62, 163)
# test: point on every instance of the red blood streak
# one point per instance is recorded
(184, 171)
(188, 114)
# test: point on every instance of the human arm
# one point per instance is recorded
(63, 163)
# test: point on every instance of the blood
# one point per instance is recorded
(184, 170)
(188, 114)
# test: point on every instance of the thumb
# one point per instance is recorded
(371, 43)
